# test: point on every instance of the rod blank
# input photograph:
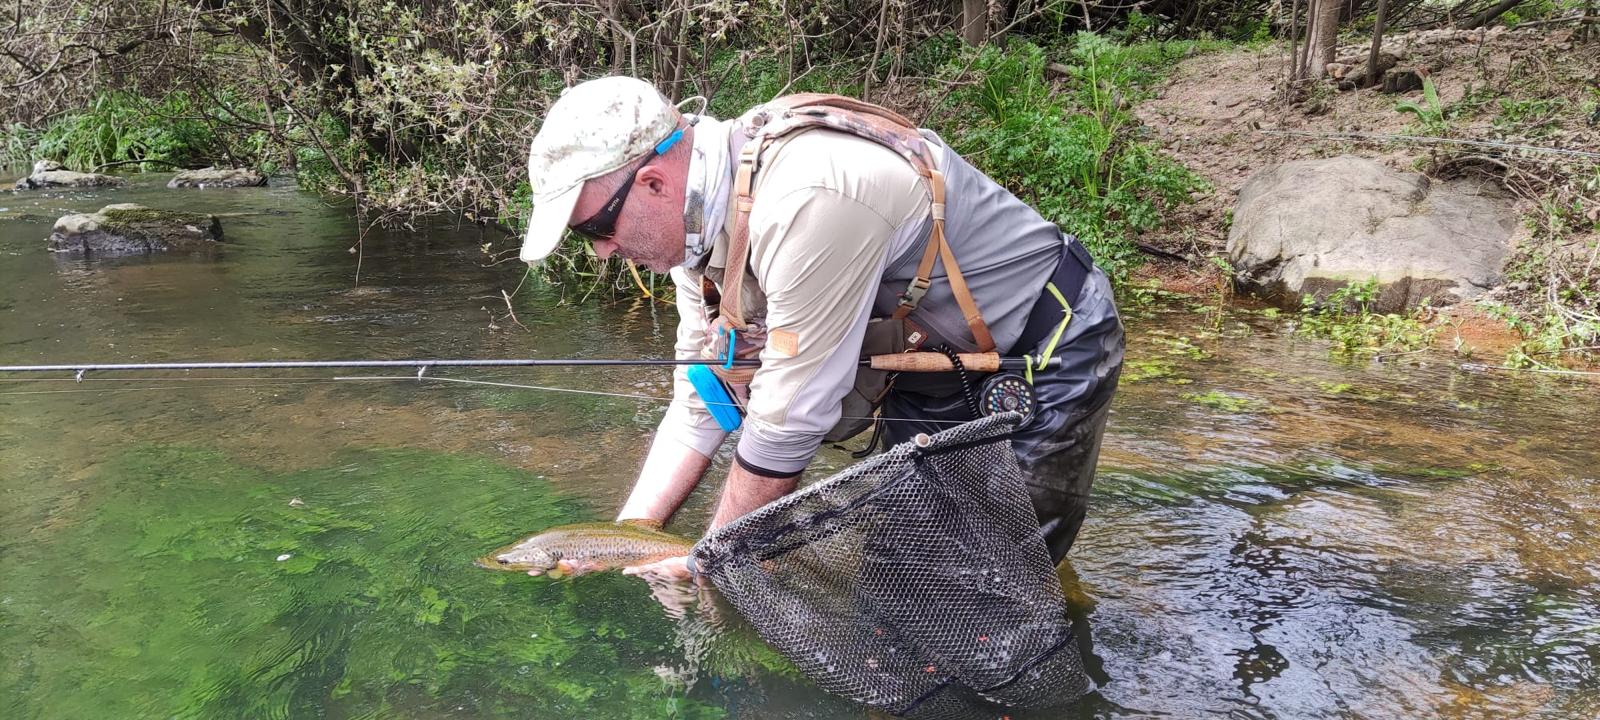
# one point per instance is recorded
(907, 362)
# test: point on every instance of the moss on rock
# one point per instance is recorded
(130, 229)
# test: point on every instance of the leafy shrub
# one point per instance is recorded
(1075, 156)
(123, 128)
(752, 81)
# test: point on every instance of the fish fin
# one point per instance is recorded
(536, 573)
(555, 573)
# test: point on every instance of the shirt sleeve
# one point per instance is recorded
(687, 421)
(819, 255)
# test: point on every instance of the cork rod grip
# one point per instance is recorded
(935, 362)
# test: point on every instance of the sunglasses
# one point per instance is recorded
(602, 225)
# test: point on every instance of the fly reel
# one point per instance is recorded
(1006, 392)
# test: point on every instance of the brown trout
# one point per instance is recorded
(586, 547)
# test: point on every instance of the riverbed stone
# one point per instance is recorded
(1309, 227)
(65, 179)
(217, 178)
(130, 229)
(40, 166)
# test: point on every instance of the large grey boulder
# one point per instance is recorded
(1310, 227)
(129, 229)
(50, 174)
(217, 178)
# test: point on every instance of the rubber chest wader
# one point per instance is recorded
(806, 111)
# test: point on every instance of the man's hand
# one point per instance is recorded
(674, 570)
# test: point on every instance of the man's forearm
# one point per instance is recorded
(745, 491)
(670, 473)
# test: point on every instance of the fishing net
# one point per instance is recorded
(914, 583)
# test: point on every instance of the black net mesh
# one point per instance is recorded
(914, 583)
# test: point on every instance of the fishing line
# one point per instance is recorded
(201, 382)
(138, 389)
(634, 396)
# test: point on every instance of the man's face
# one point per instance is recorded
(649, 228)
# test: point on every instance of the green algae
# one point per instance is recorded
(195, 586)
(1227, 402)
(1134, 371)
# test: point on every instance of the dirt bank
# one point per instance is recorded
(1227, 115)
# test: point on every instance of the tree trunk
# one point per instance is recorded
(974, 21)
(1374, 74)
(1322, 40)
(1488, 16)
(1294, 41)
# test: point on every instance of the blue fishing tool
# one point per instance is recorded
(716, 394)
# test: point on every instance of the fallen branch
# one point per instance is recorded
(509, 310)
(1158, 252)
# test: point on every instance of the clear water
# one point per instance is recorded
(1275, 533)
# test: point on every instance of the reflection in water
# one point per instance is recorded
(1274, 534)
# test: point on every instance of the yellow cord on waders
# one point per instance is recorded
(1055, 338)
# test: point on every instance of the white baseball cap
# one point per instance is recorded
(594, 128)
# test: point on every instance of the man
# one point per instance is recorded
(837, 226)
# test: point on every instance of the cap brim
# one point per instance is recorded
(548, 224)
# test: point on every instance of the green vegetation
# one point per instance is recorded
(1139, 370)
(1431, 114)
(121, 128)
(1232, 403)
(194, 586)
(1346, 319)
(1075, 155)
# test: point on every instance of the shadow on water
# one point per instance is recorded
(1275, 533)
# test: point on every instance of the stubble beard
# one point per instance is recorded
(660, 253)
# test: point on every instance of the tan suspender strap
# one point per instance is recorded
(920, 283)
(739, 243)
(969, 308)
(952, 271)
(864, 120)
(938, 248)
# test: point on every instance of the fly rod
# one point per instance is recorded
(897, 362)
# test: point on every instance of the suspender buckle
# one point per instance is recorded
(917, 288)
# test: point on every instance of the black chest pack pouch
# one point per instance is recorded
(884, 336)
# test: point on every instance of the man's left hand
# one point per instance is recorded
(674, 569)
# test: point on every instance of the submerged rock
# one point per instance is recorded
(218, 178)
(1310, 227)
(58, 178)
(129, 229)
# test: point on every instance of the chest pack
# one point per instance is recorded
(794, 113)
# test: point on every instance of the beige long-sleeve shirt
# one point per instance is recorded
(830, 210)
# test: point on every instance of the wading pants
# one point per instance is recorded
(1059, 447)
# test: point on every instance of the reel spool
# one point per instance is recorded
(1006, 392)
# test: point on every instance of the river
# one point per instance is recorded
(1275, 533)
